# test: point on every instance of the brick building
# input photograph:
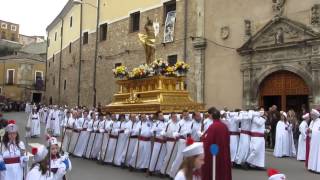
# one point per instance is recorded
(241, 52)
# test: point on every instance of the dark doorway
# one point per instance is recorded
(296, 102)
(50, 101)
(36, 97)
(268, 101)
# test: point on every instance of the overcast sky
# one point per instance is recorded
(33, 16)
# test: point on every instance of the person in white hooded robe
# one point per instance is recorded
(39, 169)
(244, 141)
(234, 120)
(84, 136)
(53, 122)
(256, 158)
(13, 154)
(33, 123)
(284, 146)
(314, 154)
(301, 155)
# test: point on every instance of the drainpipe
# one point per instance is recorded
(95, 57)
(80, 54)
(46, 70)
(186, 5)
(60, 62)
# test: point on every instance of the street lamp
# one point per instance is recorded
(95, 52)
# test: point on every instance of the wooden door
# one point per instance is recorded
(282, 83)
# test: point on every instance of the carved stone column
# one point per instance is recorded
(199, 43)
(315, 96)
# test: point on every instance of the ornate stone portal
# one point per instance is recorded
(282, 44)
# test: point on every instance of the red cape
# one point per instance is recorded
(218, 134)
(307, 149)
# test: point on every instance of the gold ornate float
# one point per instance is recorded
(151, 94)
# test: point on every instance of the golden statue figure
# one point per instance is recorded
(148, 41)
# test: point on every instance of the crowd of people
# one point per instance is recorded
(174, 145)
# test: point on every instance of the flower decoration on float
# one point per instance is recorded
(182, 68)
(120, 72)
(159, 67)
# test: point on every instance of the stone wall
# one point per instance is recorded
(120, 47)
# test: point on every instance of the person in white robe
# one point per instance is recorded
(13, 154)
(76, 129)
(113, 135)
(282, 145)
(158, 151)
(193, 161)
(105, 139)
(92, 127)
(185, 131)
(33, 124)
(132, 131)
(98, 138)
(196, 126)
(171, 144)
(142, 151)
(122, 139)
(68, 128)
(57, 160)
(256, 158)
(84, 136)
(244, 141)
(39, 169)
(53, 122)
(234, 120)
(303, 127)
(314, 154)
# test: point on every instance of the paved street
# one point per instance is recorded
(90, 170)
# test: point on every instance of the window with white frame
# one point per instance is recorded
(0, 90)
(10, 76)
(13, 27)
(38, 75)
(3, 25)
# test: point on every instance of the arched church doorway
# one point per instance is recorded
(285, 89)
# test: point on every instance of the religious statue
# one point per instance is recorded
(247, 25)
(278, 6)
(148, 40)
(279, 37)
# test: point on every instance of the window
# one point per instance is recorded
(55, 36)
(103, 32)
(3, 35)
(117, 65)
(71, 21)
(13, 37)
(134, 22)
(3, 26)
(172, 60)
(13, 28)
(85, 37)
(70, 47)
(49, 64)
(65, 85)
(38, 76)
(0, 90)
(53, 80)
(168, 7)
(10, 76)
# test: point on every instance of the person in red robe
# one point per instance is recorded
(218, 134)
